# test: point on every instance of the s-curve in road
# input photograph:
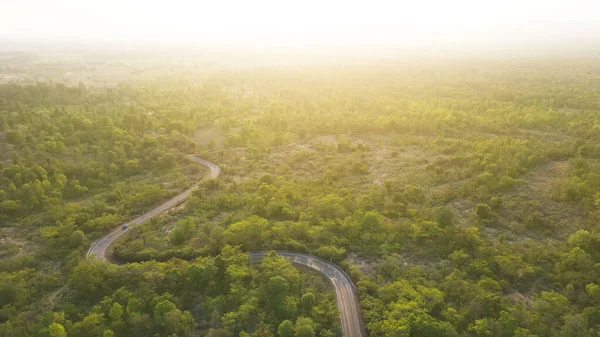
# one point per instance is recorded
(347, 300)
(98, 249)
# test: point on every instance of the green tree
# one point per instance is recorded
(77, 238)
(57, 330)
(444, 216)
(423, 325)
(286, 329)
(277, 290)
(249, 233)
(307, 302)
(522, 332)
(167, 161)
(9, 207)
(116, 312)
(171, 319)
(304, 331)
(371, 221)
(91, 326)
(576, 326)
(483, 211)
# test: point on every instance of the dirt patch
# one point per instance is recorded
(536, 195)
(204, 136)
(543, 179)
(364, 265)
(13, 241)
(462, 209)
(214, 135)
(330, 140)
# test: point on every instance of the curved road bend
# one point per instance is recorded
(347, 299)
(98, 249)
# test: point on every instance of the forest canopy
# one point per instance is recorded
(462, 199)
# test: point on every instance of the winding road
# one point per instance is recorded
(347, 300)
(98, 249)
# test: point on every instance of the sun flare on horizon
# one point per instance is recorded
(306, 24)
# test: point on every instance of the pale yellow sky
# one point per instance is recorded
(304, 23)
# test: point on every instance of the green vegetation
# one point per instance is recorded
(463, 200)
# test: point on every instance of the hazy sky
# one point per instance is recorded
(305, 23)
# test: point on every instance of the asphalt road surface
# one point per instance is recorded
(98, 249)
(347, 299)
